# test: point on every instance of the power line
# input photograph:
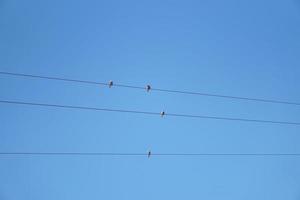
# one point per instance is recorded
(148, 113)
(78, 107)
(154, 89)
(145, 154)
(72, 153)
(52, 78)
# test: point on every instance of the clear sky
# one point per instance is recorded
(243, 48)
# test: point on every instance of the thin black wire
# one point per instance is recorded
(154, 89)
(233, 119)
(228, 96)
(143, 154)
(72, 153)
(79, 107)
(148, 113)
(52, 78)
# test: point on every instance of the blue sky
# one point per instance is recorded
(243, 48)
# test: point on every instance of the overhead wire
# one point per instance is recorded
(146, 154)
(162, 114)
(154, 89)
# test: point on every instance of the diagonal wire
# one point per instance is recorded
(148, 113)
(154, 89)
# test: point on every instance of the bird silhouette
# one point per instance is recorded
(148, 87)
(110, 84)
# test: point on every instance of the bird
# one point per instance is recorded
(162, 113)
(110, 84)
(149, 154)
(148, 87)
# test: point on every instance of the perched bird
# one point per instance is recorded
(148, 87)
(149, 154)
(110, 84)
(162, 113)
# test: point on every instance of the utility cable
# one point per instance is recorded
(145, 154)
(162, 114)
(149, 88)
